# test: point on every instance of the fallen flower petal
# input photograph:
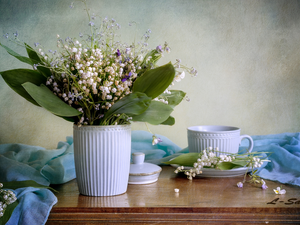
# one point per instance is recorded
(240, 184)
(264, 186)
(279, 191)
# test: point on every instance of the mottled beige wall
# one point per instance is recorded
(246, 52)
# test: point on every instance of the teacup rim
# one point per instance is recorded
(222, 128)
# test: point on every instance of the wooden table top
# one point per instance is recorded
(202, 200)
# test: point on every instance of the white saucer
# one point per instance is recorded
(207, 172)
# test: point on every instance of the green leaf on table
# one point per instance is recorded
(8, 212)
(15, 78)
(18, 56)
(187, 159)
(174, 98)
(45, 98)
(132, 104)
(157, 113)
(26, 183)
(232, 165)
(155, 81)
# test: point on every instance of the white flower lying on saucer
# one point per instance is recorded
(279, 191)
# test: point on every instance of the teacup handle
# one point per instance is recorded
(250, 139)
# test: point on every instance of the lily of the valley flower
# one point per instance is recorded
(180, 76)
(155, 140)
(279, 191)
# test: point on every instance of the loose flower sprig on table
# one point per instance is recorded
(209, 159)
(98, 80)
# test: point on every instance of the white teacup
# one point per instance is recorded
(226, 138)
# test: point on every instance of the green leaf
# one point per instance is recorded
(18, 56)
(154, 56)
(231, 165)
(26, 183)
(36, 59)
(8, 212)
(45, 71)
(15, 79)
(155, 81)
(45, 98)
(32, 54)
(170, 121)
(69, 119)
(187, 159)
(157, 113)
(132, 104)
(174, 98)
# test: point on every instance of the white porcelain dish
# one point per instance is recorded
(206, 172)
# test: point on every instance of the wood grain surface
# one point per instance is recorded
(201, 201)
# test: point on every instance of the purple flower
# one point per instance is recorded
(118, 52)
(127, 77)
(264, 186)
(158, 48)
(239, 184)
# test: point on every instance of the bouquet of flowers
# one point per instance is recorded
(98, 80)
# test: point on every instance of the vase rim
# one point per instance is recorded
(118, 125)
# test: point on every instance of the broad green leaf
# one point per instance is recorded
(45, 71)
(231, 165)
(157, 113)
(174, 98)
(45, 98)
(32, 54)
(15, 79)
(187, 159)
(8, 212)
(132, 104)
(155, 81)
(170, 121)
(36, 59)
(69, 119)
(26, 183)
(18, 56)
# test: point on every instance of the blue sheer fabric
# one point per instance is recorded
(56, 166)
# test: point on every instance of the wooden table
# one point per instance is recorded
(203, 200)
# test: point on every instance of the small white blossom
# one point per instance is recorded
(279, 191)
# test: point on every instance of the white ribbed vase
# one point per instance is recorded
(102, 159)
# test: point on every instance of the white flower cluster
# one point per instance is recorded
(91, 75)
(256, 162)
(208, 159)
(7, 197)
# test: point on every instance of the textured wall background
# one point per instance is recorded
(246, 52)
